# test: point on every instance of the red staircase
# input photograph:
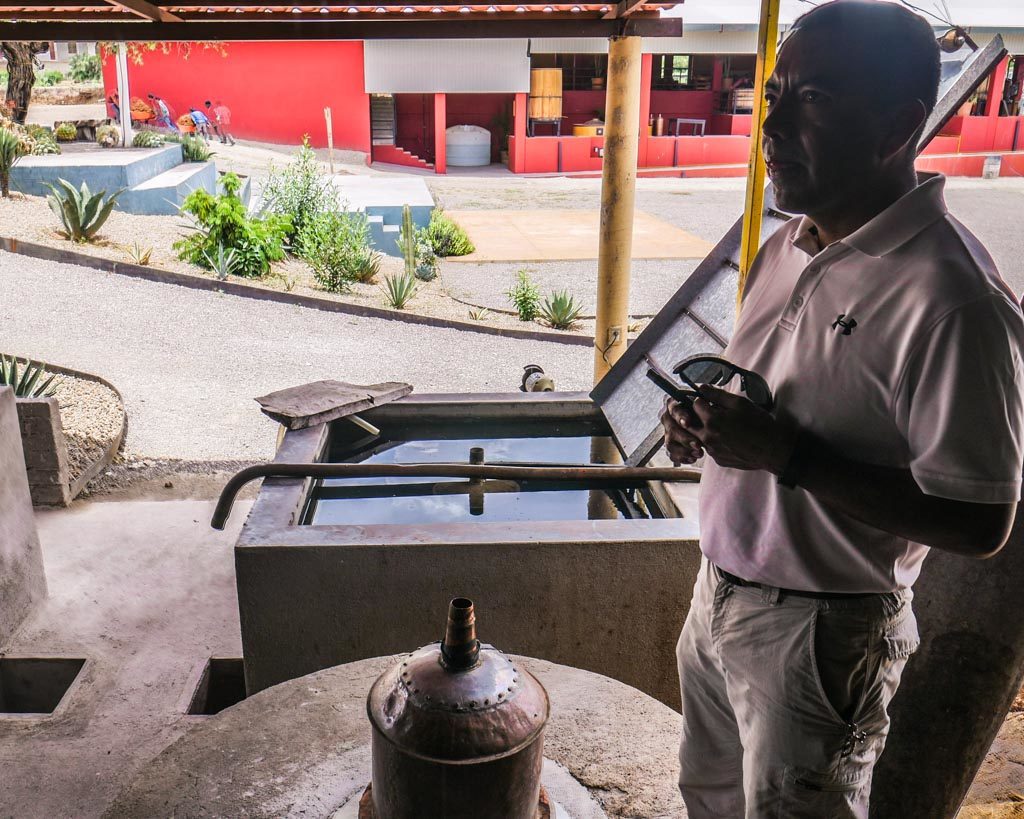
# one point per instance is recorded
(398, 156)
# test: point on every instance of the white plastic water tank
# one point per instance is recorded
(467, 146)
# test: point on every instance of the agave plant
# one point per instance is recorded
(10, 151)
(399, 289)
(223, 263)
(561, 310)
(26, 383)
(140, 255)
(82, 212)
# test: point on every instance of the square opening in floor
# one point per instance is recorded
(35, 685)
(221, 686)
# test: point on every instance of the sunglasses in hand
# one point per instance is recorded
(714, 371)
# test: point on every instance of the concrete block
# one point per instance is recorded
(45, 450)
(22, 582)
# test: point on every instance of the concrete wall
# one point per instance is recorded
(46, 458)
(611, 607)
(22, 583)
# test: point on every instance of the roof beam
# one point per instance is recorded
(449, 26)
(145, 10)
(624, 9)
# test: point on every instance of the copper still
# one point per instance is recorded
(458, 732)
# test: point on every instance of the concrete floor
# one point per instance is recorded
(144, 592)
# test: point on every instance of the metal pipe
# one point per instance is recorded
(618, 192)
(767, 46)
(460, 649)
(599, 474)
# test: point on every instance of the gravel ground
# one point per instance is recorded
(91, 416)
(29, 218)
(189, 363)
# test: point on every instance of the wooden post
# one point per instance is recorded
(123, 94)
(618, 190)
(767, 45)
(330, 138)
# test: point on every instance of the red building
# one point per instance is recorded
(393, 100)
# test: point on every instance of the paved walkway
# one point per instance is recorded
(189, 362)
(552, 235)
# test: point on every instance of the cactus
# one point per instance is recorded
(407, 242)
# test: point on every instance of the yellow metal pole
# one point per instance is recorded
(618, 190)
(767, 45)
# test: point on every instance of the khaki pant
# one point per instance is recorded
(785, 699)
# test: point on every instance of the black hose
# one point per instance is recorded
(590, 474)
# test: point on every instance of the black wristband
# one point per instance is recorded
(797, 463)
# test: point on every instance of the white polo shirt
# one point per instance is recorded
(899, 346)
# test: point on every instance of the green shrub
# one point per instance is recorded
(84, 68)
(194, 149)
(108, 136)
(26, 383)
(300, 190)
(525, 297)
(148, 139)
(561, 310)
(336, 244)
(223, 221)
(426, 261)
(81, 211)
(10, 152)
(399, 290)
(65, 132)
(50, 77)
(446, 236)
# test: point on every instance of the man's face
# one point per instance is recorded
(821, 136)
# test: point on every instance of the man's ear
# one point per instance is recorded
(906, 122)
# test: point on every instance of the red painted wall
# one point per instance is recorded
(276, 91)
(690, 104)
(414, 124)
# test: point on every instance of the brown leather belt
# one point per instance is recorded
(750, 584)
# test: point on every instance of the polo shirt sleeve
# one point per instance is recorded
(959, 404)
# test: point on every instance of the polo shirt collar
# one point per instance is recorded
(893, 227)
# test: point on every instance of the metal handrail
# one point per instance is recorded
(592, 474)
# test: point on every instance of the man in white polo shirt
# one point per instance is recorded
(893, 349)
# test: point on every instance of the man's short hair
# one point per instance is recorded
(901, 55)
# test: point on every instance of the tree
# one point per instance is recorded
(21, 75)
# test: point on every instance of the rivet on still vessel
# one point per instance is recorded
(458, 732)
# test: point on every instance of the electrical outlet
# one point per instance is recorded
(614, 336)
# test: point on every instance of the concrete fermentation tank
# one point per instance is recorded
(468, 146)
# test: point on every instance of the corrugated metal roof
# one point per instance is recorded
(467, 67)
(1013, 39)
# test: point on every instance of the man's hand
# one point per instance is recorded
(740, 435)
(682, 445)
